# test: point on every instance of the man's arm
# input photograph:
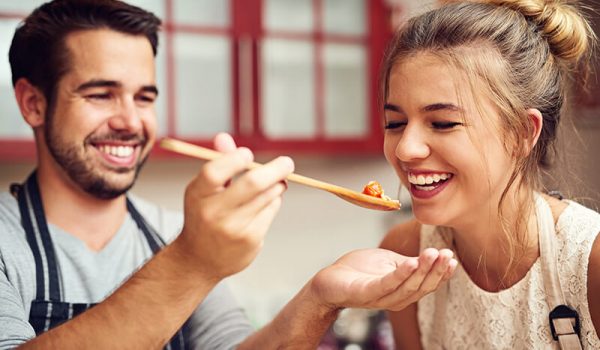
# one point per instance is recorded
(144, 313)
(14, 328)
(224, 227)
(368, 278)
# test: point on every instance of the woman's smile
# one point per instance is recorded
(426, 185)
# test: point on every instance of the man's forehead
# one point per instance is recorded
(103, 54)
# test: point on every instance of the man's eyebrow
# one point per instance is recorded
(441, 106)
(111, 83)
(98, 83)
(150, 88)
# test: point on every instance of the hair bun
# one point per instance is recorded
(568, 33)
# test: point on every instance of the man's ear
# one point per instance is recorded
(537, 121)
(31, 101)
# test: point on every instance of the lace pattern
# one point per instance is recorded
(460, 315)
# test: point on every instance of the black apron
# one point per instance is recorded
(49, 310)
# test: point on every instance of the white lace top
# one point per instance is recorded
(460, 315)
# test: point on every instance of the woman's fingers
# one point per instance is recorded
(404, 270)
(434, 267)
(438, 271)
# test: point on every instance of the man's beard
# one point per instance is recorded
(81, 170)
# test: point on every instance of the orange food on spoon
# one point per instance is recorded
(373, 189)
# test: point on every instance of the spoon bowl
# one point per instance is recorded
(351, 196)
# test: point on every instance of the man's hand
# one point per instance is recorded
(382, 279)
(226, 220)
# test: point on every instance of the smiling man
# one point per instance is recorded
(84, 264)
(114, 77)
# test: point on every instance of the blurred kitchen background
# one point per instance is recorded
(294, 77)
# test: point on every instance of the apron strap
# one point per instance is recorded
(48, 310)
(40, 242)
(154, 241)
(38, 238)
(564, 320)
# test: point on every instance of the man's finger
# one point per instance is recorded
(251, 211)
(254, 182)
(223, 142)
(214, 175)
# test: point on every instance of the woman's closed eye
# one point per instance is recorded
(445, 125)
(394, 125)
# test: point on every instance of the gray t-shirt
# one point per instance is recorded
(89, 277)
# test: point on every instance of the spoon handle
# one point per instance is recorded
(354, 197)
(209, 154)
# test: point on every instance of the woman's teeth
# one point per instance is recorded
(117, 151)
(428, 179)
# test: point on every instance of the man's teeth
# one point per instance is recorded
(117, 151)
(428, 179)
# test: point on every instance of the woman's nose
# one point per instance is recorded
(413, 144)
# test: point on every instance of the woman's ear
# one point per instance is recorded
(536, 120)
(31, 101)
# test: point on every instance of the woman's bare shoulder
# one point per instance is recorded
(403, 238)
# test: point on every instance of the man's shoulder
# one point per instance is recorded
(12, 236)
(9, 211)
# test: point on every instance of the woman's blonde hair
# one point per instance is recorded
(523, 54)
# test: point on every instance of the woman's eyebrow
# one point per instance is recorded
(441, 106)
(393, 108)
(429, 108)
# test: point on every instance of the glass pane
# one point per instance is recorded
(345, 90)
(155, 6)
(345, 16)
(23, 7)
(289, 15)
(203, 85)
(288, 101)
(202, 12)
(12, 124)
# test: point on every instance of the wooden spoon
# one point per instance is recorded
(353, 197)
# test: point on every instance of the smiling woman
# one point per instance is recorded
(469, 126)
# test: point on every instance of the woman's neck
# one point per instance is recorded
(496, 257)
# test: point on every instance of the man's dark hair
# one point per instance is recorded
(38, 52)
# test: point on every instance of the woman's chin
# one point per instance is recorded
(429, 217)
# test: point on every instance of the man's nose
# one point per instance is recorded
(413, 144)
(126, 116)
